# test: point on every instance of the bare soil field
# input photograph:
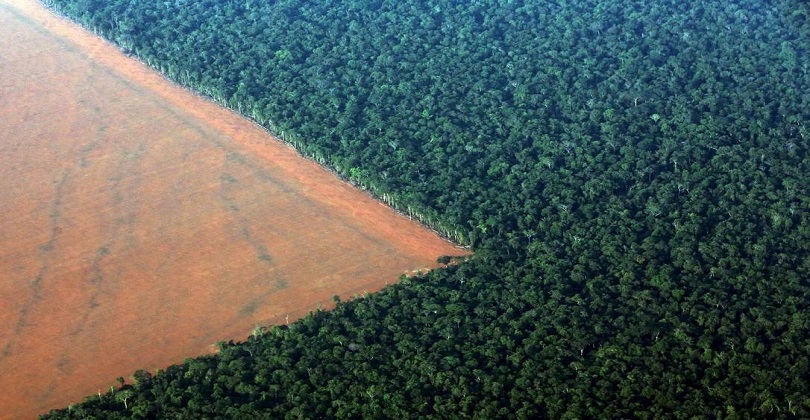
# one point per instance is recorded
(141, 224)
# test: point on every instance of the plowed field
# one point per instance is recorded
(141, 224)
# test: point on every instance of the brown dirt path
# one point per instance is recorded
(141, 224)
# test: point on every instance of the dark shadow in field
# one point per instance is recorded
(45, 256)
(255, 304)
(251, 307)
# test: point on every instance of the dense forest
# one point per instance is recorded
(632, 175)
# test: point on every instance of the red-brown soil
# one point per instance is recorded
(142, 224)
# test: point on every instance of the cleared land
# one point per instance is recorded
(141, 224)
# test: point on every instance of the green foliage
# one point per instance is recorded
(633, 176)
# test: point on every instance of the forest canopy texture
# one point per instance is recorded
(633, 176)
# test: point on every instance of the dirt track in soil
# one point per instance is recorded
(141, 224)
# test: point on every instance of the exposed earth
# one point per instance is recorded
(141, 224)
